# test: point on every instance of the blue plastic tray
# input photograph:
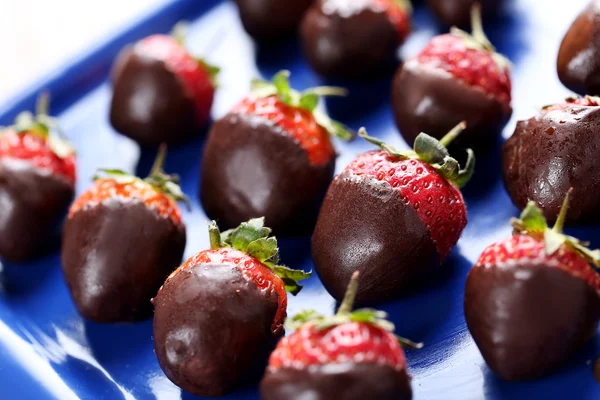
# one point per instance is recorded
(48, 351)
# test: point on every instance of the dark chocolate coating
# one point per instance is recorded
(348, 43)
(578, 61)
(366, 226)
(431, 100)
(116, 255)
(212, 328)
(458, 12)
(272, 20)
(527, 320)
(349, 381)
(33, 203)
(149, 104)
(251, 168)
(550, 153)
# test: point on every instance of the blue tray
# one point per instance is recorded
(48, 351)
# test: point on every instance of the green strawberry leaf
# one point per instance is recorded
(281, 81)
(302, 318)
(307, 100)
(346, 315)
(44, 127)
(213, 71)
(248, 232)
(433, 152)
(465, 175)
(592, 256)
(291, 277)
(533, 223)
(553, 240)
(532, 220)
(116, 175)
(430, 150)
(264, 250)
(252, 238)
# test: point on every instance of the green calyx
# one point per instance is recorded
(404, 5)
(179, 33)
(346, 315)
(253, 238)
(158, 179)
(532, 223)
(43, 126)
(307, 100)
(478, 40)
(433, 152)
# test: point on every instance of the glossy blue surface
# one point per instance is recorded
(48, 351)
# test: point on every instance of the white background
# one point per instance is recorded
(38, 36)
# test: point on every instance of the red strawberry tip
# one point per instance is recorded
(179, 33)
(43, 126)
(477, 39)
(433, 152)
(253, 238)
(307, 100)
(345, 314)
(532, 223)
(158, 179)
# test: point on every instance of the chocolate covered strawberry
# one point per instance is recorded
(457, 77)
(578, 61)
(122, 238)
(354, 38)
(219, 315)
(272, 20)
(552, 152)
(162, 94)
(394, 215)
(532, 300)
(457, 12)
(271, 156)
(353, 355)
(37, 184)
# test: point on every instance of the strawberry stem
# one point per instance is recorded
(179, 32)
(477, 27)
(453, 134)
(43, 103)
(348, 301)
(214, 235)
(562, 215)
(159, 161)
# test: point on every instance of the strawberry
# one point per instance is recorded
(532, 300)
(37, 184)
(271, 20)
(457, 12)
(545, 157)
(577, 63)
(354, 38)
(384, 193)
(218, 316)
(122, 238)
(271, 156)
(456, 77)
(352, 355)
(161, 92)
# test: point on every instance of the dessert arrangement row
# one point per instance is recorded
(531, 300)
